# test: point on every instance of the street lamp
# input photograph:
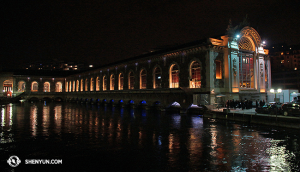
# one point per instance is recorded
(275, 91)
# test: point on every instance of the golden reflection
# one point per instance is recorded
(33, 119)
(2, 117)
(57, 116)
(46, 116)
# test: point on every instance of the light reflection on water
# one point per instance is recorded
(143, 140)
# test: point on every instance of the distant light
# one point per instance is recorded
(279, 90)
(91, 66)
(237, 36)
(264, 42)
(272, 90)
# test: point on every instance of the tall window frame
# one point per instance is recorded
(246, 71)
(131, 80)
(143, 79)
(104, 86)
(112, 82)
(157, 78)
(174, 76)
(195, 75)
(121, 81)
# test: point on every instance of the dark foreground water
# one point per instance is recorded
(91, 138)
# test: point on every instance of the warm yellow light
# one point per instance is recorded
(262, 90)
(235, 90)
(272, 90)
(279, 90)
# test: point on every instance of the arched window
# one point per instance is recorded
(81, 85)
(70, 86)
(86, 85)
(121, 81)
(46, 87)
(77, 85)
(195, 75)
(143, 79)
(104, 83)
(21, 86)
(112, 82)
(73, 87)
(7, 87)
(174, 76)
(130, 81)
(34, 86)
(66, 86)
(157, 78)
(97, 84)
(58, 87)
(92, 84)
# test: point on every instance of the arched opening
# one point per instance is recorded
(70, 86)
(112, 82)
(21, 86)
(86, 85)
(81, 85)
(143, 79)
(77, 85)
(92, 84)
(174, 76)
(34, 86)
(121, 81)
(104, 83)
(157, 78)
(195, 75)
(131, 81)
(97, 84)
(58, 87)
(66, 86)
(46, 87)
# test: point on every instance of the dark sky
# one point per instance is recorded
(100, 32)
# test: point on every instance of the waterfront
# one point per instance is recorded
(86, 137)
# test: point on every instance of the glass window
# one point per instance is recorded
(121, 81)
(195, 81)
(246, 71)
(157, 78)
(97, 84)
(92, 84)
(104, 83)
(143, 79)
(130, 80)
(21, 86)
(174, 76)
(218, 69)
(34, 86)
(58, 87)
(112, 82)
(46, 87)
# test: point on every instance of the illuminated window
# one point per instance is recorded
(143, 79)
(66, 87)
(73, 89)
(92, 84)
(246, 71)
(112, 82)
(130, 81)
(21, 86)
(281, 61)
(34, 86)
(81, 85)
(121, 81)
(97, 84)
(157, 78)
(281, 53)
(46, 87)
(58, 87)
(195, 73)
(77, 85)
(70, 86)
(295, 68)
(218, 69)
(104, 83)
(174, 76)
(86, 85)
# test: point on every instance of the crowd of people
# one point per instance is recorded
(246, 104)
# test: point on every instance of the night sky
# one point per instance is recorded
(100, 32)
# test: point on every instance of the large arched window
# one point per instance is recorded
(97, 84)
(121, 81)
(46, 87)
(143, 79)
(58, 87)
(77, 85)
(73, 87)
(86, 85)
(34, 86)
(112, 82)
(174, 76)
(130, 80)
(92, 84)
(81, 85)
(104, 83)
(21, 86)
(157, 78)
(195, 75)
(70, 86)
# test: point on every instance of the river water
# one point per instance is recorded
(93, 138)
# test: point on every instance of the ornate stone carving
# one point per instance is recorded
(234, 67)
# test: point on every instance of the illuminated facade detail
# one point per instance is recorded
(246, 67)
(218, 69)
(73, 86)
(77, 85)
(66, 87)
(112, 82)
(46, 87)
(97, 84)
(121, 81)
(34, 86)
(86, 85)
(195, 75)
(104, 86)
(21, 86)
(130, 80)
(70, 86)
(58, 87)
(157, 78)
(92, 84)
(143, 79)
(174, 76)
